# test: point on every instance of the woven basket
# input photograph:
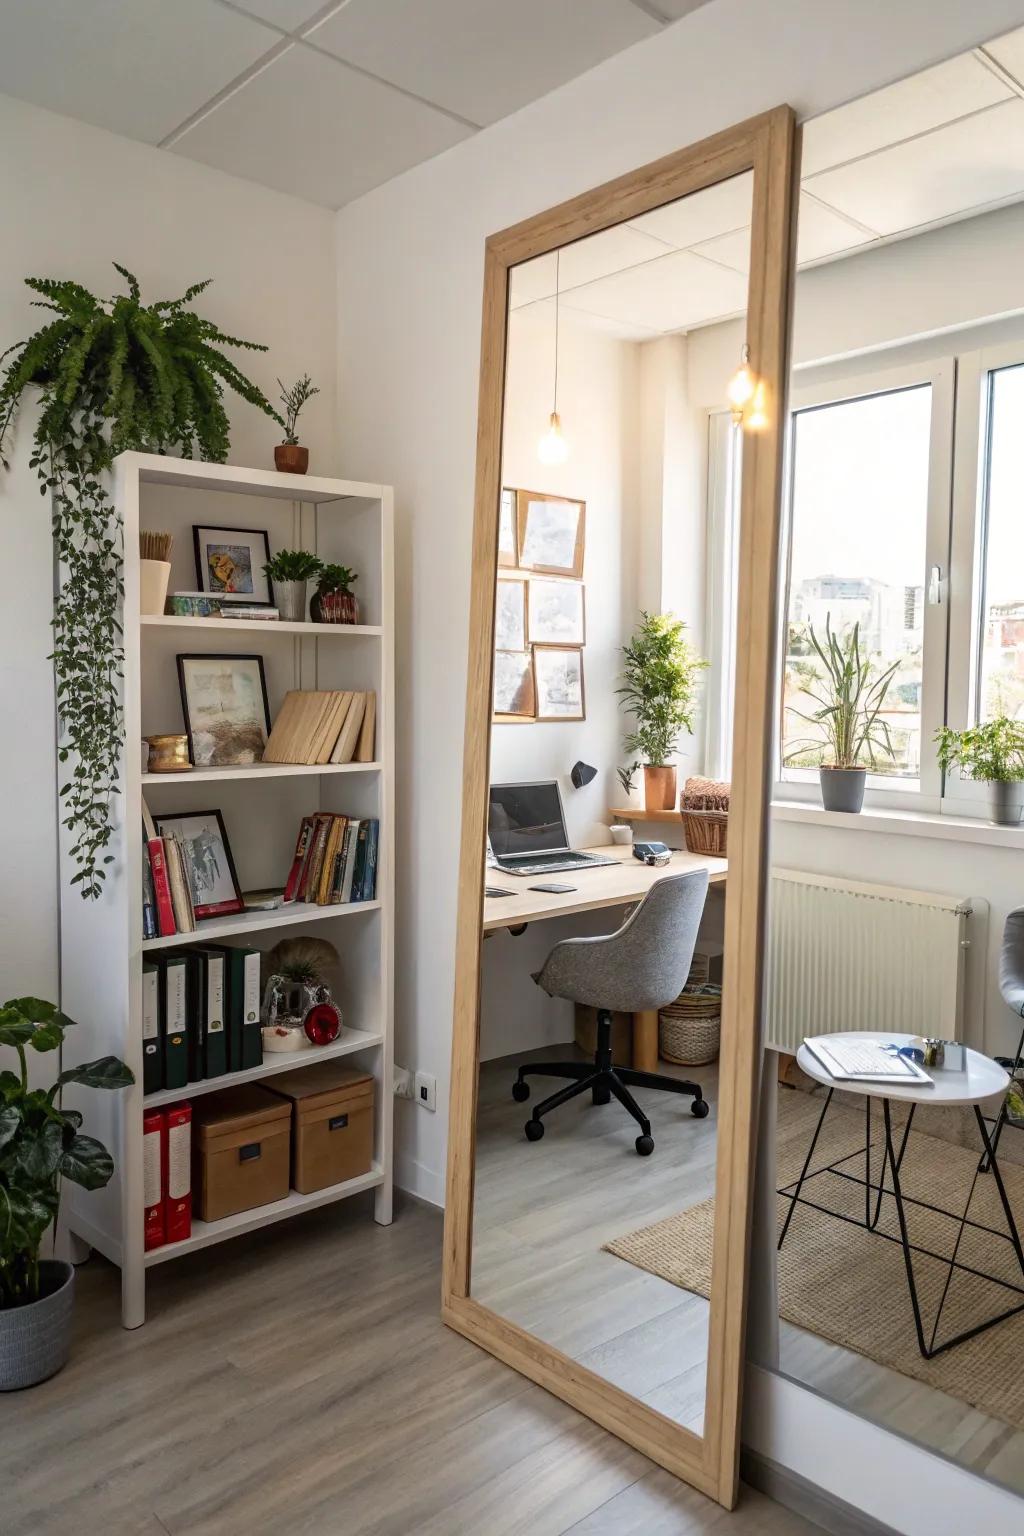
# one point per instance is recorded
(690, 1029)
(704, 811)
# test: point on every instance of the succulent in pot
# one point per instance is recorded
(290, 457)
(289, 571)
(334, 602)
(660, 680)
(41, 1143)
(992, 753)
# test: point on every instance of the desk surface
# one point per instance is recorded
(608, 885)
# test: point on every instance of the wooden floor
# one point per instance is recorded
(298, 1381)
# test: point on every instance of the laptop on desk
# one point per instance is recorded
(526, 830)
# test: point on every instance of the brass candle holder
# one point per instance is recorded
(168, 754)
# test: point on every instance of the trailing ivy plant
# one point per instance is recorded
(111, 374)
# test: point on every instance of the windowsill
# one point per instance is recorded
(958, 829)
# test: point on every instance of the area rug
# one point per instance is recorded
(848, 1285)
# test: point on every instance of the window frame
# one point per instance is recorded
(725, 456)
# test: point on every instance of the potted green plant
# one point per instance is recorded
(849, 716)
(290, 457)
(289, 570)
(660, 679)
(334, 602)
(40, 1143)
(991, 753)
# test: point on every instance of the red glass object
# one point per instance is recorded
(322, 1023)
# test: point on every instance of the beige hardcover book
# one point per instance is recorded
(297, 722)
(331, 724)
(347, 740)
(181, 894)
(365, 749)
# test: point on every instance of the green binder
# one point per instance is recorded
(174, 1028)
(210, 1014)
(245, 1035)
(152, 1056)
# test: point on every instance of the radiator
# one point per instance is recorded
(848, 956)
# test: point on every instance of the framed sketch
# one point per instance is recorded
(558, 675)
(515, 693)
(510, 615)
(551, 532)
(208, 861)
(556, 612)
(227, 714)
(508, 544)
(230, 561)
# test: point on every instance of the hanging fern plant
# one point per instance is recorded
(112, 374)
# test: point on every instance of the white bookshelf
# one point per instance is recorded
(102, 947)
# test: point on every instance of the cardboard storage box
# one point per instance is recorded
(332, 1124)
(240, 1142)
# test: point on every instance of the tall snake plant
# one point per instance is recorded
(850, 710)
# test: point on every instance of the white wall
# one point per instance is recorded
(75, 198)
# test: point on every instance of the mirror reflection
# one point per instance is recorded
(609, 794)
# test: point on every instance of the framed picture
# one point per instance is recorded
(551, 533)
(510, 621)
(508, 544)
(230, 561)
(558, 674)
(227, 714)
(556, 612)
(211, 869)
(515, 693)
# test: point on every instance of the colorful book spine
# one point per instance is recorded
(161, 888)
(369, 890)
(177, 1173)
(153, 1121)
(301, 850)
(149, 922)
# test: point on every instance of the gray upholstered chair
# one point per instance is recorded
(643, 965)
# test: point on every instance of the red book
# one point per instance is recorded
(161, 888)
(153, 1123)
(301, 848)
(177, 1172)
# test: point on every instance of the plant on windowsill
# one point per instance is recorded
(334, 602)
(993, 754)
(660, 680)
(41, 1143)
(290, 457)
(849, 717)
(289, 570)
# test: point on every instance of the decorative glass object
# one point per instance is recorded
(298, 1015)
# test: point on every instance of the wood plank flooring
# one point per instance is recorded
(299, 1380)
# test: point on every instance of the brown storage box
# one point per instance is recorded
(239, 1150)
(332, 1124)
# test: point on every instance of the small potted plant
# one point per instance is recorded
(334, 602)
(290, 457)
(289, 570)
(659, 689)
(849, 716)
(40, 1143)
(991, 753)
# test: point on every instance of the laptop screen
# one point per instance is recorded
(526, 818)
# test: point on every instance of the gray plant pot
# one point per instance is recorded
(1007, 801)
(290, 597)
(35, 1340)
(842, 789)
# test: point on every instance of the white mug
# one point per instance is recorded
(621, 834)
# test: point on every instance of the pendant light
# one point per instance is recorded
(742, 386)
(553, 448)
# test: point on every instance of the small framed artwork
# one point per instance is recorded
(510, 615)
(556, 612)
(551, 532)
(515, 693)
(508, 545)
(227, 713)
(558, 673)
(208, 861)
(230, 561)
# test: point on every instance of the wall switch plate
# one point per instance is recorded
(426, 1090)
(403, 1084)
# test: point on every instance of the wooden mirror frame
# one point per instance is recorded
(767, 146)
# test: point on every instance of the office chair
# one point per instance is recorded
(643, 965)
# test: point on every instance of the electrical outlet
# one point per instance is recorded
(426, 1090)
(403, 1084)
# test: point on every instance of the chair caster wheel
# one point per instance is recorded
(520, 1092)
(699, 1108)
(645, 1145)
(534, 1130)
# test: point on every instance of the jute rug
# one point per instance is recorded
(848, 1285)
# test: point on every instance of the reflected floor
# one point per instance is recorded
(544, 1210)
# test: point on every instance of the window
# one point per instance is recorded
(1000, 683)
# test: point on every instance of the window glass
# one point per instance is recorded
(1001, 680)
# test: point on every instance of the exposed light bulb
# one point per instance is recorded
(741, 387)
(757, 416)
(553, 448)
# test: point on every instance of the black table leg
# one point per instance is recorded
(803, 1172)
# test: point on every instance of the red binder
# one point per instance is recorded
(153, 1123)
(161, 888)
(177, 1172)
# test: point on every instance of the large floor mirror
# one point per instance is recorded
(606, 1047)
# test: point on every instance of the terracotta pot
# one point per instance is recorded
(659, 788)
(291, 458)
(334, 608)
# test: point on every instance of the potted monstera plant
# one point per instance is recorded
(41, 1143)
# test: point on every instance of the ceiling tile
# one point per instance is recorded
(674, 9)
(671, 294)
(290, 15)
(542, 312)
(138, 67)
(481, 58)
(1009, 52)
(967, 164)
(308, 126)
(702, 216)
(820, 232)
(909, 107)
(610, 251)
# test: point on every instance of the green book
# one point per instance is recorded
(174, 1028)
(245, 1035)
(210, 1011)
(152, 1056)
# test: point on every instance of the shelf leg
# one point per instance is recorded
(133, 1296)
(382, 1204)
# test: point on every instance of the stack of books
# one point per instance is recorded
(335, 860)
(168, 905)
(200, 1015)
(314, 726)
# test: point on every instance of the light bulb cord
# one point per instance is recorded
(558, 258)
